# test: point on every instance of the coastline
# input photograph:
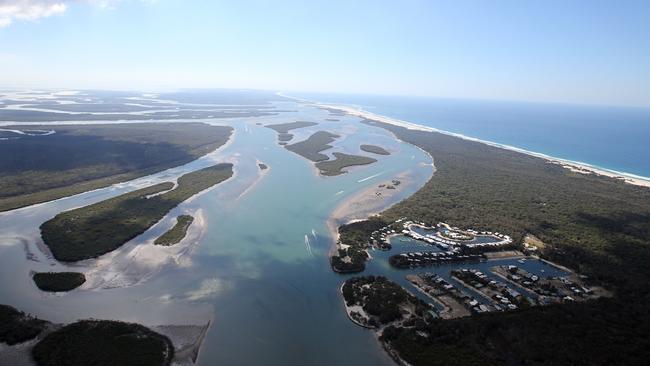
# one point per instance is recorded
(573, 166)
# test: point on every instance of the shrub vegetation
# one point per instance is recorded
(58, 281)
(91, 231)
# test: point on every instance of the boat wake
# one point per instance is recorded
(370, 177)
(308, 245)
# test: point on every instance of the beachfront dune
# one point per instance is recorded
(91, 231)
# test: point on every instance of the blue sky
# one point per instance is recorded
(587, 51)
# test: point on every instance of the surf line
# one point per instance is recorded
(370, 177)
(308, 246)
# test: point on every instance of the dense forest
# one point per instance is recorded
(382, 299)
(176, 233)
(355, 235)
(313, 145)
(17, 327)
(79, 158)
(342, 161)
(85, 342)
(603, 332)
(103, 342)
(283, 129)
(374, 149)
(58, 281)
(93, 230)
(595, 225)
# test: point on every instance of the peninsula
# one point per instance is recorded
(578, 221)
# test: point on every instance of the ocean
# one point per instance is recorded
(613, 138)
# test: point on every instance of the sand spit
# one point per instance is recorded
(137, 262)
(187, 341)
(366, 203)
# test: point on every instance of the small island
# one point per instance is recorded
(374, 149)
(58, 281)
(262, 166)
(311, 147)
(284, 137)
(91, 231)
(341, 161)
(177, 233)
(283, 129)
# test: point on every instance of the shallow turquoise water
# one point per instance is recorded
(259, 271)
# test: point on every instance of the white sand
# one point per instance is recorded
(574, 166)
(136, 262)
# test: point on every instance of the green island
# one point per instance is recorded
(283, 129)
(103, 342)
(351, 255)
(311, 147)
(91, 231)
(284, 137)
(595, 225)
(262, 166)
(341, 161)
(177, 233)
(80, 158)
(374, 149)
(18, 327)
(85, 342)
(374, 301)
(58, 281)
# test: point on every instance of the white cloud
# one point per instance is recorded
(29, 10)
(32, 10)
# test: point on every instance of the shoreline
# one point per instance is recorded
(143, 180)
(574, 166)
(362, 205)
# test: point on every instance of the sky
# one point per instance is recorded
(590, 51)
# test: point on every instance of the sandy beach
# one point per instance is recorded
(574, 166)
(364, 204)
